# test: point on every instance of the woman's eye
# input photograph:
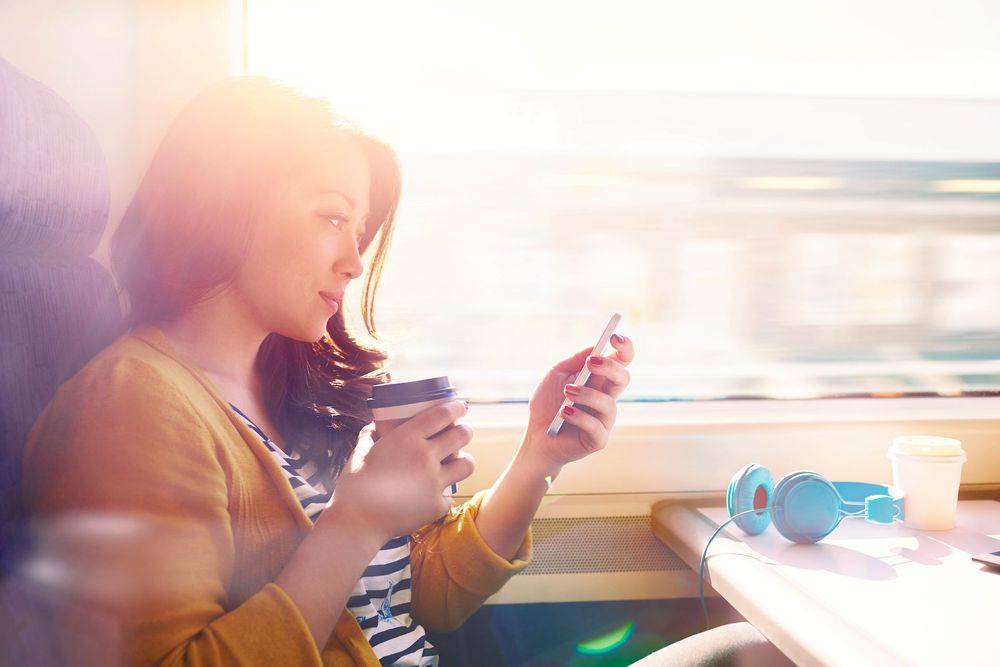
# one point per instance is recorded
(337, 221)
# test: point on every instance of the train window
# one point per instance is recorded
(785, 200)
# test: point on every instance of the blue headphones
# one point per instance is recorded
(804, 506)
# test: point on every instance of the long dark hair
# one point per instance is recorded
(188, 228)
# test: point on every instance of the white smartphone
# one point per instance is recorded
(584, 374)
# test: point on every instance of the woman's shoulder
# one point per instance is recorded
(138, 362)
(132, 418)
(134, 381)
(131, 395)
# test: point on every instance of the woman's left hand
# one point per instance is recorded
(590, 418)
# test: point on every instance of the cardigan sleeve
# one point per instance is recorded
(454, 570)
(129, 505)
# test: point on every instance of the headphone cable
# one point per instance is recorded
(704, 556)
(704, 553)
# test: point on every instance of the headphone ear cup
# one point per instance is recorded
(806, 507)
(750, 488)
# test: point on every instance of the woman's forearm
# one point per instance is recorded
(510, 505)
(323, 571)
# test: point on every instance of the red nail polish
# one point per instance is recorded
(618, 339)
(596, 361)
(567, 411)
(572, 389)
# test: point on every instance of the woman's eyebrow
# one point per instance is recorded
(334, 191)
(347, 198)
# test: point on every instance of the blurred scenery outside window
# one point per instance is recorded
(784, 199)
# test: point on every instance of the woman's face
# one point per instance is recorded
(304, 249)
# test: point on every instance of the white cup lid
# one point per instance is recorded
(925, 445)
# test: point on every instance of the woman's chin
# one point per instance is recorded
(318, 334)
(323, 330)
(306, 334)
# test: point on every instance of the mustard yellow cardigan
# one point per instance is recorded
(162, 522)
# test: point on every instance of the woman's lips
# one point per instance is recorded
(332, 299)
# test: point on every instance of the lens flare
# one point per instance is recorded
(607, 642)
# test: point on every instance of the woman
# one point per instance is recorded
(205, 488)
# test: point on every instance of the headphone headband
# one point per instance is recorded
(881, 503)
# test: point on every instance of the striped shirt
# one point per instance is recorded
(380, 601)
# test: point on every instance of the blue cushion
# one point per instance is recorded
(54, 192)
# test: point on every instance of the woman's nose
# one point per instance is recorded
(350, 264)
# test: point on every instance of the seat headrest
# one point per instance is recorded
(54, 185)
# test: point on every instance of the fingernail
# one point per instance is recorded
(618, 339)
(596, 361)
(572, 389)
(567, 411)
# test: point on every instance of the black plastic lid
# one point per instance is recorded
(404, 393)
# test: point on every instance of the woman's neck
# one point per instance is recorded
(221, 344)
(227, 360)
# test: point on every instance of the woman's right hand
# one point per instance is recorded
(394, 486)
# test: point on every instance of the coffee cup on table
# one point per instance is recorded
(928, 470)
(394, 403)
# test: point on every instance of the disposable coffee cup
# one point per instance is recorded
(928, 470)
(394, 403)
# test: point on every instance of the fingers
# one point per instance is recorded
(436, 419)
(439, 439)
(624, 353)
(613, 371)
(592, 432)
(450, 441)
(598, 403)
(575, 363)
(457, 468)
(624, 349)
